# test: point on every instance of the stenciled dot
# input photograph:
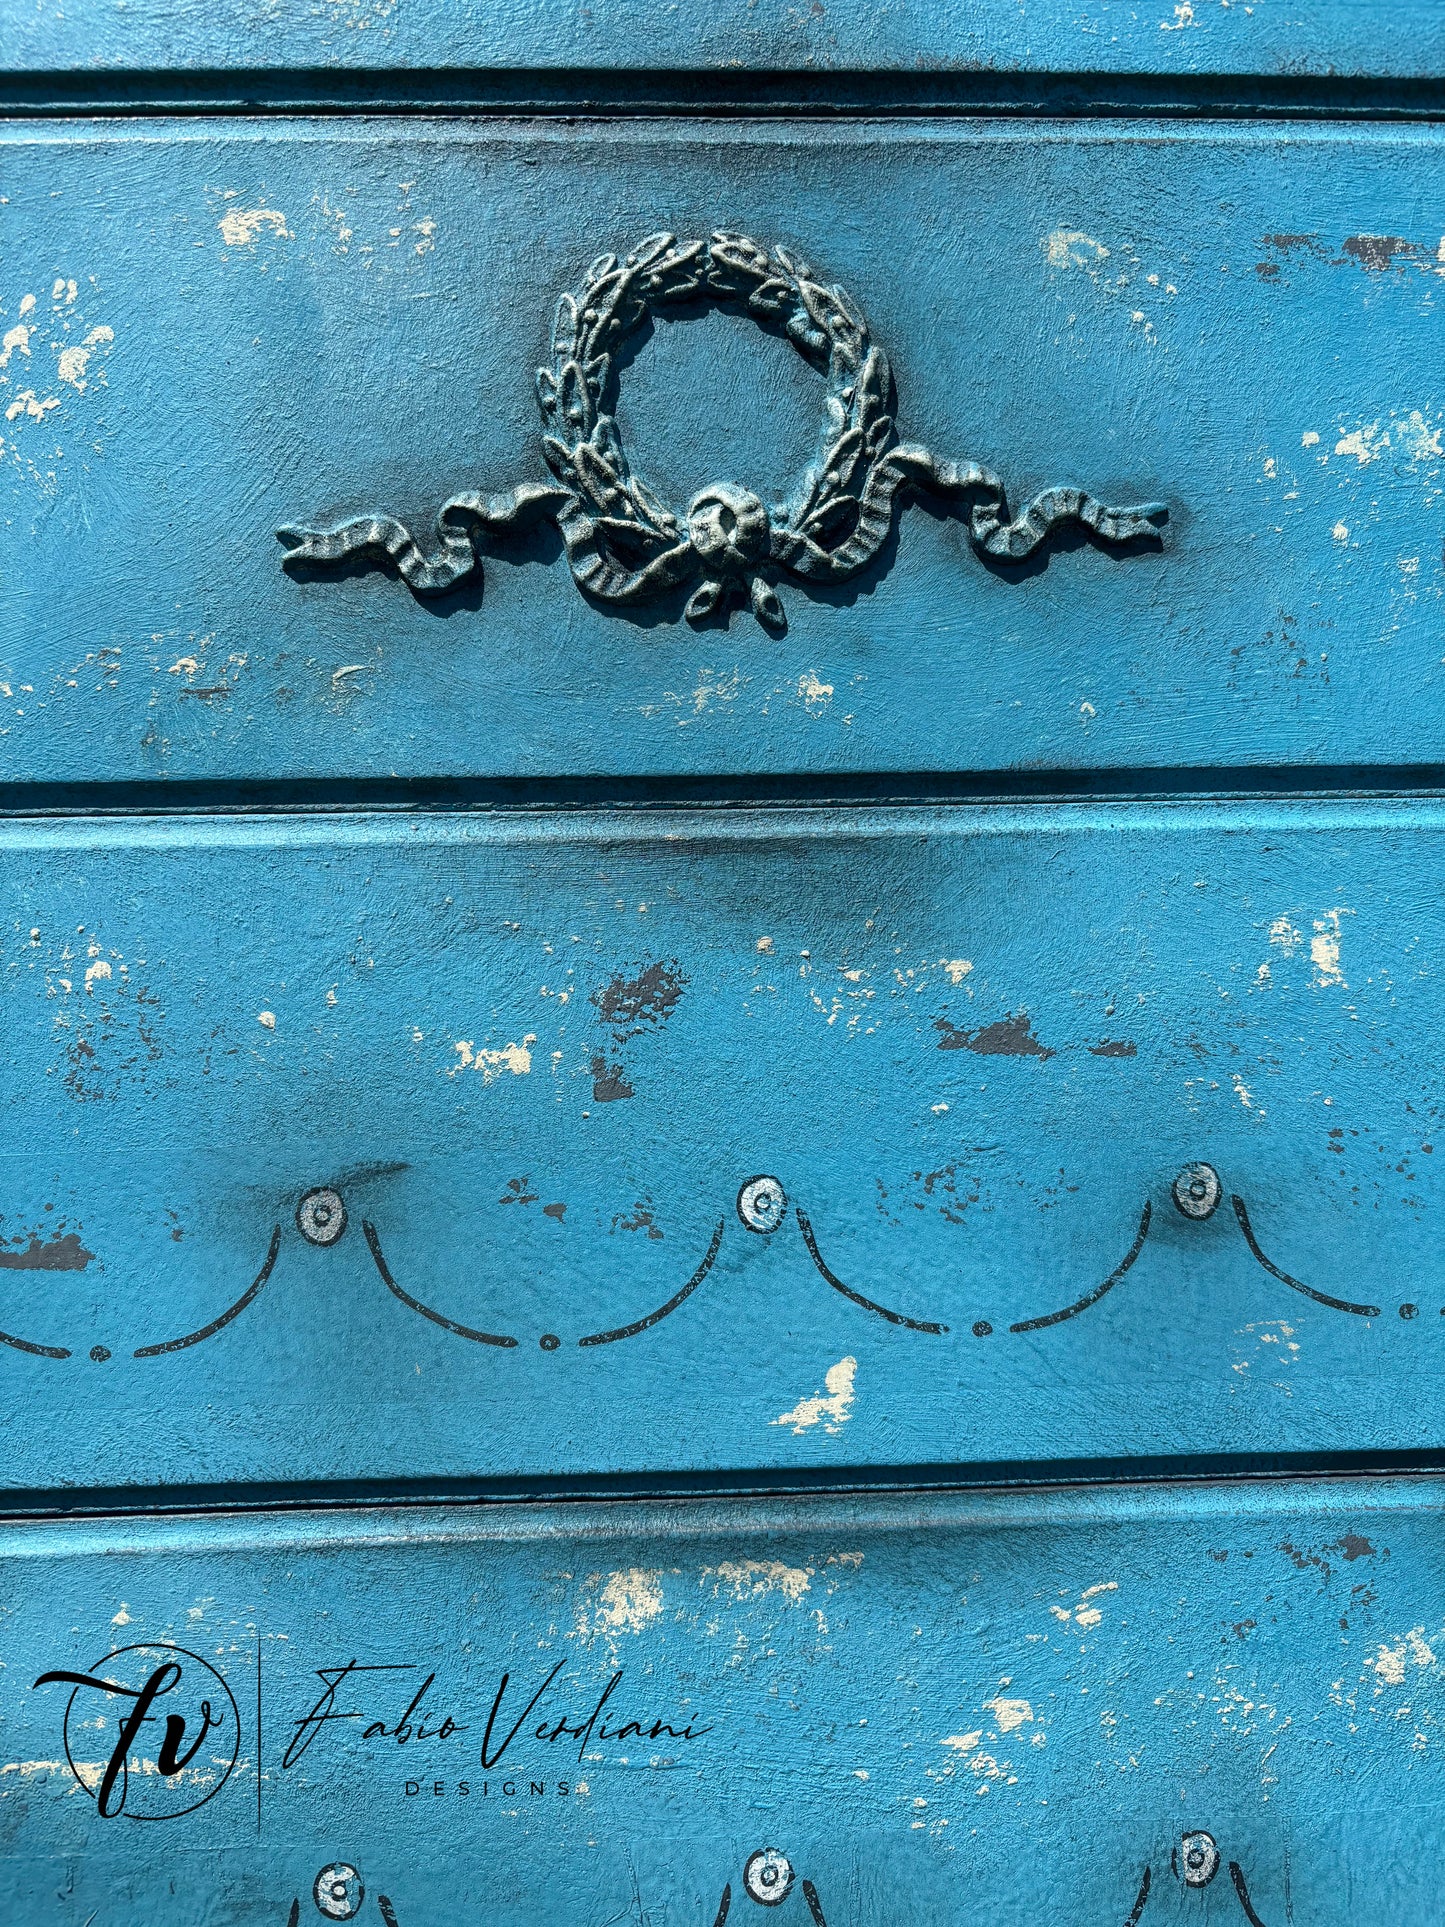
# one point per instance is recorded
(321, 1216)
(338, 1891)
(768, 1877)
(100, 1353)
(1200, 1858)
(1197, 1191)
(983, 1329)
(762, 1203)
(549, 1341)
(1409, 1311)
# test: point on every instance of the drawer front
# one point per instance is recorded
(914, 1710)
(468, 1147)
(216, 331)
(457, 39)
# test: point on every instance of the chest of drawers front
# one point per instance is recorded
(721, 1098)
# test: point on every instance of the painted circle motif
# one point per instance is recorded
(762, 1204)
(1197, 1191)
(338, 1891)
(768, 1877)
(1199, 1858)
(321, 1216)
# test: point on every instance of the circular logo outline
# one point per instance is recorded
(151, 1646)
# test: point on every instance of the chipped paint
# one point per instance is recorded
(1411, 434)
(833, 1409)
(618, 1604)
(749, 1579)
(74, 360)
(28, 404)
(63, 1251)
(1086, 1614)
(814, 694)
(1010, 1037)
(1009, 1714)
(1412, 1649)
(1072, 248)
(1367, 444)
(241, 226)
(630, 1005)
(1325, 950)
(1284, 936)
(516, 1058)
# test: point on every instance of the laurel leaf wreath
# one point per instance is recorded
(624, 544)
(582, 446)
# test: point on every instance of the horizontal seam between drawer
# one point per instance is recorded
(1022, 1481)
(634, 794)
(693, 93)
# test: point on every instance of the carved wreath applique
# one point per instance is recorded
(624, 545)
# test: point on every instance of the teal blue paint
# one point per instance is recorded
(967, 1702)
(794, 1170)
(1041, 36)
(1174, 353)
(537, 1055)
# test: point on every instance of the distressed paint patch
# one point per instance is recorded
(240, 226)
(1366, 443)
(65, 1253)
(1284, 936)
(1325, 950)
(74, 360)
(619, 1603)
(1390, 1663)
(814, 694)
(957, 968)
(1009, 1037)
(1411, 434)
(1009, 1714)
(516, 1058)
(1085, 1613)
(1376, 253)
(752, 1578)
(28, 404)
(609, 1082)
(832, 1409)
(1072, 248)
(630, 1005)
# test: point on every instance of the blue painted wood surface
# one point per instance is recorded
(373, 1138)
(932, 1709)
(538, 1056)
(218, 330)
(1329, 37)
